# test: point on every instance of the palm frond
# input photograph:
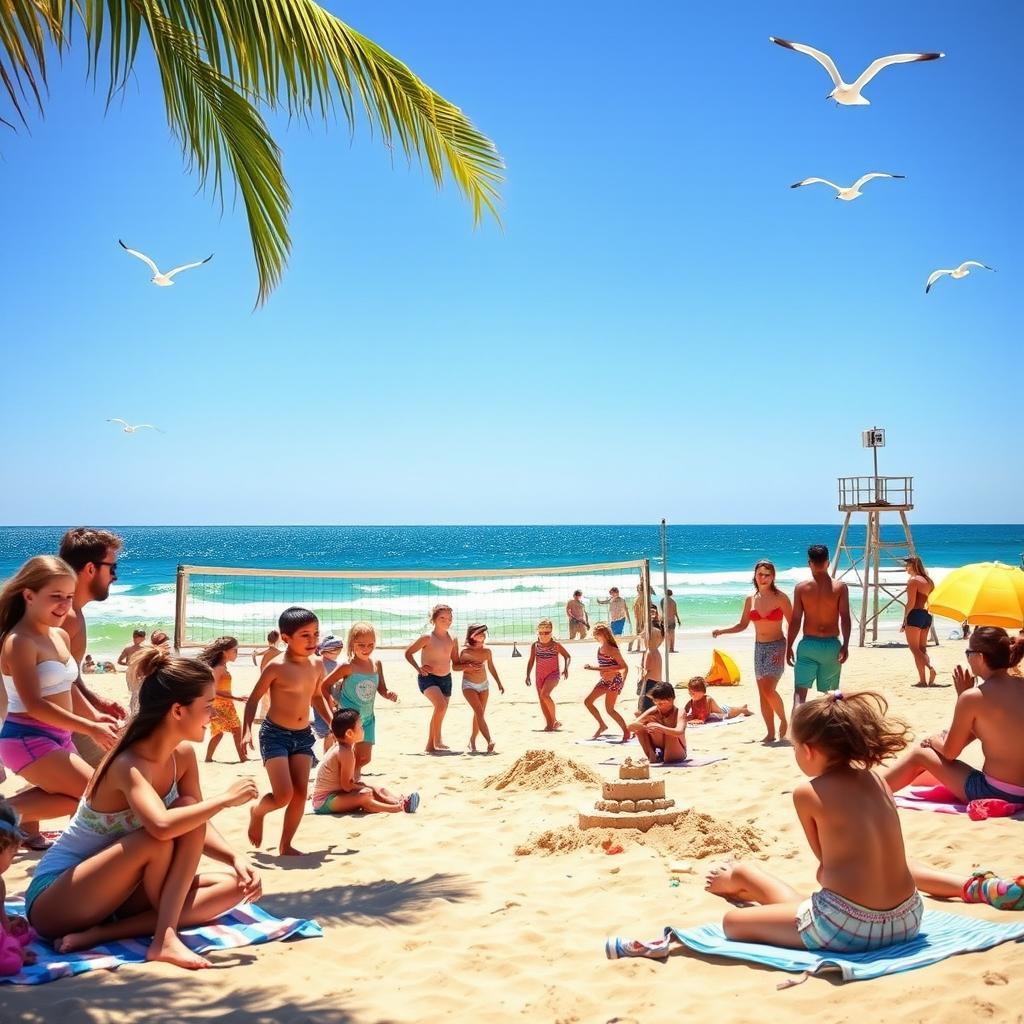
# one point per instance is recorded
(25, 27)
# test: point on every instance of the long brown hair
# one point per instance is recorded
(770, 566)
(852, 729)
(917, 567)
(606, 632)
(213, 653)
(33, 575)
(997, 647)
(166, 680)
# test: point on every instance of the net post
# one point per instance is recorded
(180, 593)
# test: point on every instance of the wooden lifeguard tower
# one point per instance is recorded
(877, 565)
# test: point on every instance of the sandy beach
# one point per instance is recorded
(489, 903)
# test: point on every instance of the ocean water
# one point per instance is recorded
(709, 571)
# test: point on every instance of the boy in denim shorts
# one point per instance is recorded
(286, 739)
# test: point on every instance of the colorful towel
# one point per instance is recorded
(942, 935)
(944, 801)
(696, 761)
(246, 925)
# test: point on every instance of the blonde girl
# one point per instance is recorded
(355, 685)
(544, 652)
(917, 620)
(478, 661)
(613, 671)
(224, 717)
(44, 708)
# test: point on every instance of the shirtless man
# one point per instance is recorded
(618, 613)
(670, 617)
(576, 612)
(286, 739)
(137, 644)
(639, 618)
(822, 605)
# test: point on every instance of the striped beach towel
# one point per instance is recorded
(942, 935)
(246, 925)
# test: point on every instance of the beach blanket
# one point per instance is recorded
(246, 925)
(942, 935)
(944, 801)
(694, 761)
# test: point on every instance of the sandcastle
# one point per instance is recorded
(635, 801)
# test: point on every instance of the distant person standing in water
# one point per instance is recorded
(917, 620)
(822, 606)
(576, 612)
(767, 608)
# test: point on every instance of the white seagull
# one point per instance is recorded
(158, 278)
(849, 93)
(130, 428)
(850, 193)
(960, 272)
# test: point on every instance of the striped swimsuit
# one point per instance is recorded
(547, 663)
(611, 685)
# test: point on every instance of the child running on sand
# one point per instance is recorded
(14, 930)
(475, 688)
(701, 708)
(224, 717)
(337, 789)
(868, 898)
(439, 657)
(286, 739)
(545, 651)
(355, 685)
(613, 671)
(661, 730)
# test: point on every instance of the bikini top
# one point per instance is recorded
(606, 662)
(55, 677)
(545, 652)
(775, 615)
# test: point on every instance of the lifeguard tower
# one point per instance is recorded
(877, 570)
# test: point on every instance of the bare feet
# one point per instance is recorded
(255, 828)
(172, 950)
(931, 678)
(73, 942)
(490, 747)
(783, 726)
(770, 738)
(601, 730)
(625, 737)
(727, 880)
(472, 745)
(208, 760)
(556, 727)
(290, 851)
(441, 746)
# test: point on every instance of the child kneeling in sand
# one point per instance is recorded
(336, 789)
(701, 708)
(868, 898)
(661, 729)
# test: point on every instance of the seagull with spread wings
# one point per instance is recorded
(848, 93)
(851, 192)
(959, 272)
(130, 428)
(159, 278)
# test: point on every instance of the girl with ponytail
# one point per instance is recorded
(126, 865)
(989, 708)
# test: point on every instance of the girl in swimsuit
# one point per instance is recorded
(43, 710)
(917, 620)
(613, 671)
(126, 865)
(767, 608)
(478, 661)
(224, 718)
(544, 652)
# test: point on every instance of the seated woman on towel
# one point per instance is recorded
(126, 864)
(868, 897)
(991, 711)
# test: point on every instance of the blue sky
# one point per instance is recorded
(662, 327)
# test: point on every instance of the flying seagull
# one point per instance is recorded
(158, 278)
(849, 93)
(960, 272)
(130, 428)
(850, 193)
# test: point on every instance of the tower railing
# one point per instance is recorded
(865, 492)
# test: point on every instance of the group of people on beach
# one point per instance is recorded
(127, 864)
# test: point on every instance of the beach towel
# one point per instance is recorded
(942, 935)
(246, 925)
(945, 801)
(694, 761)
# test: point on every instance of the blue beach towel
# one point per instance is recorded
(246, 925)
(942, 935)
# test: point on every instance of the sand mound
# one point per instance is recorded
(693, 836)
(543, 769)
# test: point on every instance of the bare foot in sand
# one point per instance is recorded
(255, 828)
(173, 951)
(472, 745)
(75, 941)
(728, 880)
(442, 746)
(290, 851)
(490, 748)
(783, 727)
(601, 730)
(931, 678)
(770, 738)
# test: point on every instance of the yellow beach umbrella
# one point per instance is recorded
(983, 594)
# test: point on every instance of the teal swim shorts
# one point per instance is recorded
(817, 663)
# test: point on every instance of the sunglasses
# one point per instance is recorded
(112, 566)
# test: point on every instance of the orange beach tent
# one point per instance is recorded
(723, 672)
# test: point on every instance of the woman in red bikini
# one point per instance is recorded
(767, 608)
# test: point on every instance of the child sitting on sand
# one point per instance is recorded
(701, 708)
(337, 789)
(355, 685)
(613, 671)
(14, 931)
(661, 729)
(868, 898)
(545, 652)
(223, 715)
(477, 658)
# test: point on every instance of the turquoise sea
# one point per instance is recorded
(708, 570)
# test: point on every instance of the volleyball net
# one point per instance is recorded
(216, 601)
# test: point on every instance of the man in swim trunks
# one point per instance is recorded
(670, 617)
(822, 606)
(576, 612)
(618, 613)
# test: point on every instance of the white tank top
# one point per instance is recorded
(55, 677)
